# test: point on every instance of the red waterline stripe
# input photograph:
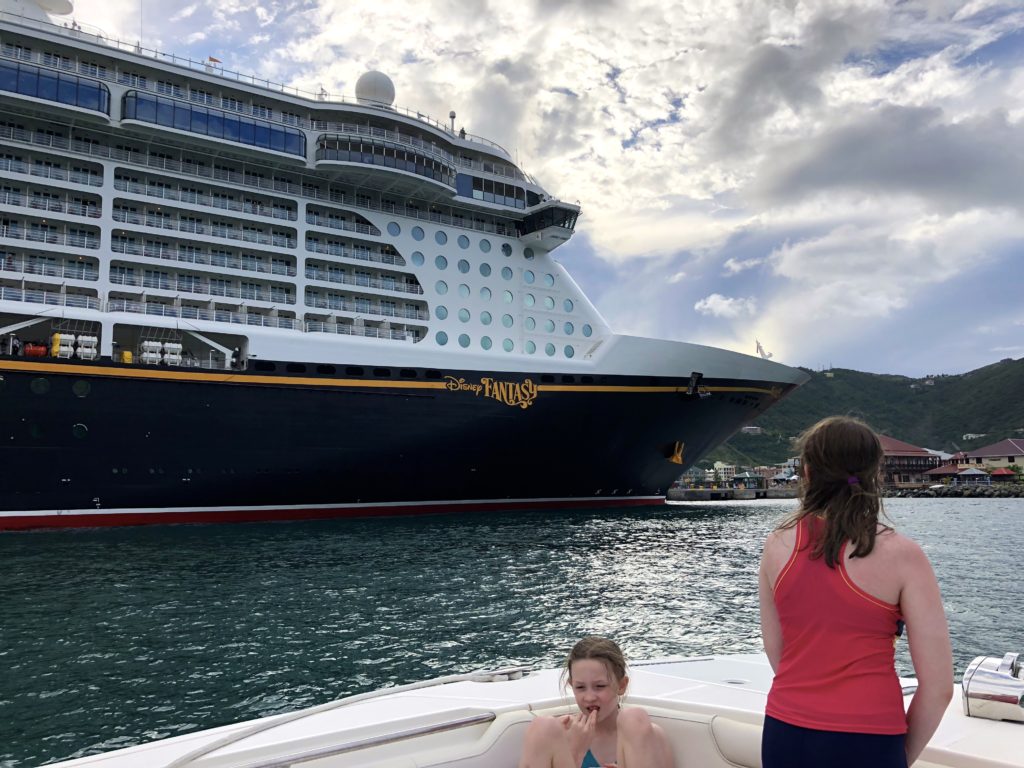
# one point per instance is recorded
(83, 519)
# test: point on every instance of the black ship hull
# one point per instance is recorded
(107, 444)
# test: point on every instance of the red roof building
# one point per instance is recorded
(1001, 454)
(906, 464)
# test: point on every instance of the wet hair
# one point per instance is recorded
(601, 649)
(842, 462)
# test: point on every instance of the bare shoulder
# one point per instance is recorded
(901, 551)
(778, 546)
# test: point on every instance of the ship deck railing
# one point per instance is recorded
(201, 313)
(201, 287)
(31, 267)
(397, 334)
(94, 35)
(49, 204)
(345, 305)
(193, 198)
(198, 228)
(50, 237)
(333, 249)
(52, 298)
(195, 256)
(233, 178)
(364, 282)
(53, 172)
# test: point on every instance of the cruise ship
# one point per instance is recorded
(223, 299)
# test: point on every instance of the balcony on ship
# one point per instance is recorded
(364, 306)
(19, 262)
(180, 281)
(185, 221)
(49, 200)
(37, 291)
(207, 196)
(213, 259)
(51, 167)
(376, 280)
(44, 233)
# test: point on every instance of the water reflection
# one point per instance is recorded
(112, 637)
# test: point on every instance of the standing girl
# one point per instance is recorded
(836, 588)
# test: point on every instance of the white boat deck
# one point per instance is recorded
(712, 709)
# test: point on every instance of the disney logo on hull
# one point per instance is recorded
(514, 393)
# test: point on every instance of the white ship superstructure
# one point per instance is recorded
(166, 222)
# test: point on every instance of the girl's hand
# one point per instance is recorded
(579, 729)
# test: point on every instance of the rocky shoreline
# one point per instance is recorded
(1001, 491)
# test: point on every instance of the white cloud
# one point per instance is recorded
(735, 266)
(718, 305)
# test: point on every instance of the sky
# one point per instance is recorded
(843, 181)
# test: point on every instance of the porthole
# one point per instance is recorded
(506, 249)
(549, 349)
(569, 328)
(485, 270)
(463, 241)
(441, 287)
(507, 345)
(464, 290)
(507, 297)
(81, 388)
(569, 351)
(463, 266)
(587, 330)
(485, 318)
(485, 293)
(530, 323)
(549, 326)
(79, 431)
(464, 315)
(549, 303)
(442, 338)
(463, 340)
(506, 272)
(441, 262)
(549, 280)
(417, 233)
(39, 386)
(531, 347)
(529, 300)
(417, 258)
(485, 246)
(441, 312)
(506, 320)
(528, 253)
(440, 237)
(529, 277)
(393, 228)
(485, 342)
(568, 305)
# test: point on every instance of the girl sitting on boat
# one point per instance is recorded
(602, 733)
(836, 587)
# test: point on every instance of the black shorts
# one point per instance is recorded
(790, 746)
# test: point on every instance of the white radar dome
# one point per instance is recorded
(56, 7)
(375, 88)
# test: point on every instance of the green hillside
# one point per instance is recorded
(988, 401)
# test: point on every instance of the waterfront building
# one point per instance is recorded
(906, 464)
(1005, 453)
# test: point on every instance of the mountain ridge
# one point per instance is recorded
(931, 412)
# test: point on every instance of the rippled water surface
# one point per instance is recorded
(111, 637)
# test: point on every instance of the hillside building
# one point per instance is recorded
(905, 464)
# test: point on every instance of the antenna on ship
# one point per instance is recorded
(451, 115)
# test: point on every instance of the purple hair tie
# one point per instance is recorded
(853, 480)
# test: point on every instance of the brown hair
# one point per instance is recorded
(599, 648)
(842, 462)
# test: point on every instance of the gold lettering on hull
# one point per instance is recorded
(513, 393)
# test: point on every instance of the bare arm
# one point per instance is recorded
(771, 630)
(928, 636)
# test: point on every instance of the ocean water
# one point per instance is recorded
(112, 637)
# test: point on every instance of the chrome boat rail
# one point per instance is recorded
(993, 688)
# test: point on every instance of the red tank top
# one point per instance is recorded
(837, 671)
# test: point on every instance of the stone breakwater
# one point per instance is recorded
(1000, 491)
